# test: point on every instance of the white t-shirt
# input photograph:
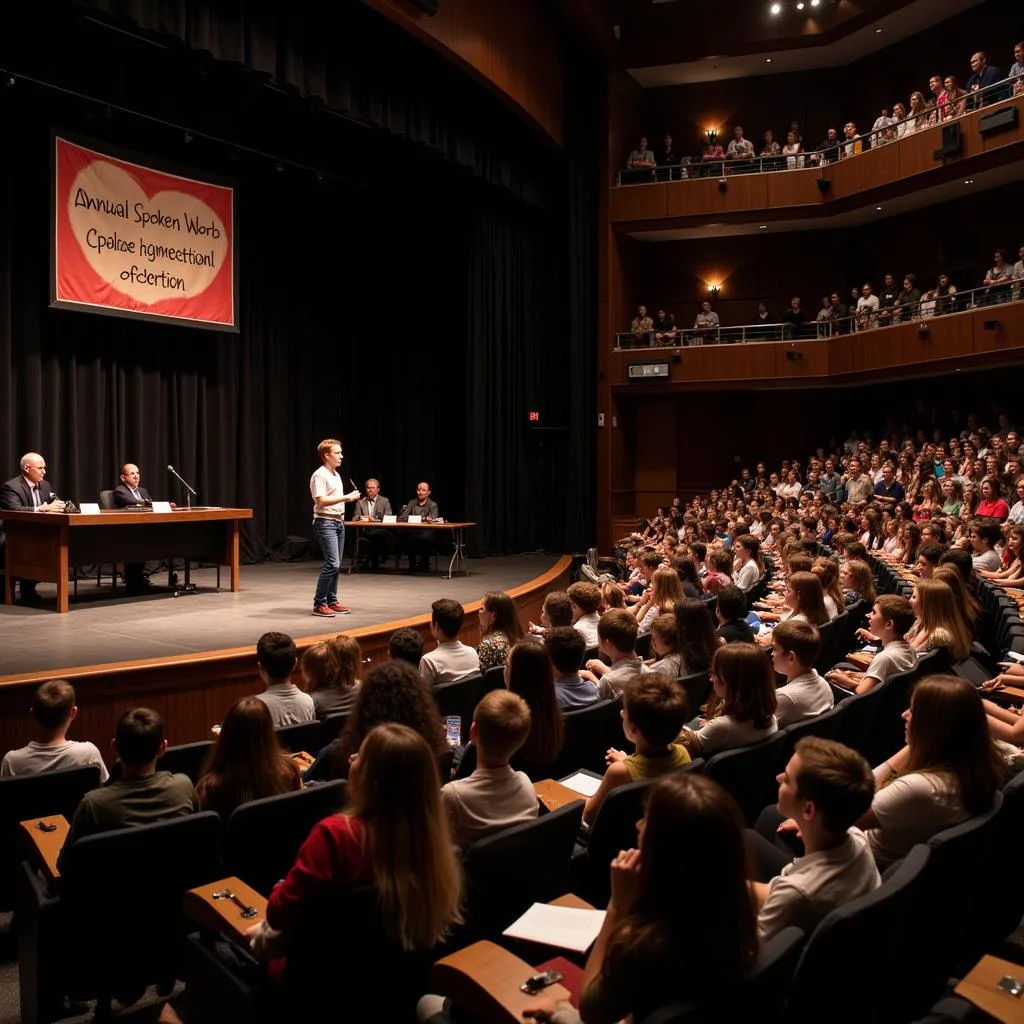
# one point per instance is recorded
(896, 656)
(746, 576)
(487, 801)
(830, 607)
(804, 697)
(726, 732)
(811, 887)
(287, 704)
(39, 757)
(448, 662)
(586, 626)
(327, 484)
(910, 810)
(989, 561)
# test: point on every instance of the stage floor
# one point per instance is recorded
(100, 628)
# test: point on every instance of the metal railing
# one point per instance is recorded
(867, 318)
(842, 148)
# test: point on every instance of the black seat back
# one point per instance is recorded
(331, 727)
(825, 725)
(511, 870)
(859, 713)
(110, 879)
(494, 679)
(262, 837)
(186, 759)
(833, 635)
(748, 773)
(36, 796)
(698, 688)
(303, 736)
(459, 699)
(587, 737)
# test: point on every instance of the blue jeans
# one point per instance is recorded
(331, 537)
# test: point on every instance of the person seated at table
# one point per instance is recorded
(566, 648)
(53, 710)
(420, 543)
(741, 710)
(129, 491)
(330, 672)
(795, 646)
(451, 659)
(246, 761)
(654, 709)
(494, 796)
(890, 620)
(406, 644)
(275, 662)
(731, 611)
(499, 629)
(825, 788)
(141, 795)
(555, 611)
(373, 508)
(616, 632)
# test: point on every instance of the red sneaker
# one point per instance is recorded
(340, 609)
(323, 611)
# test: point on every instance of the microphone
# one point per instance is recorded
(185, 484)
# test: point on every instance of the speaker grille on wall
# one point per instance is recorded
(428, 7)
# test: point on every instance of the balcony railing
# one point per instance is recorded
(842, 148)
(867, 318)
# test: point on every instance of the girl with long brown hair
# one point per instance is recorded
(529, 673)
(939, 621)
(827, 571)
(330, 670)
(499, 629)
(666, 589)
(805, 600)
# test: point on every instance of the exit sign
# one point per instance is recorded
(647, 371)
(534, 416)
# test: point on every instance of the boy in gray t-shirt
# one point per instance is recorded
(53, 711)
(889, 621)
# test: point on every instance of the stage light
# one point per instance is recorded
(815, 3)
(800, 6)
(767, 60)
(776, 8)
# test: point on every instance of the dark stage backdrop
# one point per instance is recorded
(410, 305)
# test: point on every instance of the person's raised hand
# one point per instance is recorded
(625, 880)
(612, 755)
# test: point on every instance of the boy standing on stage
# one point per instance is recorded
(329, 526)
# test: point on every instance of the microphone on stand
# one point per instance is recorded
(188, 487)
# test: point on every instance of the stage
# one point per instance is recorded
(190, 656)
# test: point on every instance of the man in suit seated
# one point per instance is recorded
(29, 492)
(373, 508)
(128, 494)
(420, 543)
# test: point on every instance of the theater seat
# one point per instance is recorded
(826, 725)
(859, 713)
(459, 699)
(588, 734)
(748, 774)
(304, 736)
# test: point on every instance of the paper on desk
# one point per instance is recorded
(564, 927)
(585, 785)
(1014, 656)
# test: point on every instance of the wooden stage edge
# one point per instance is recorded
(194, 691)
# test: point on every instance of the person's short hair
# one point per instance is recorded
(275, 653)
(586, 596)
(558, 608)
(931, 553)
(699, 550)
(619, 628)
(721, 561)
(139, 733)
(326, 445)
(987, 531)
(656, 705)
(732, 603)
(652, 560)
(448, 616)
(502, 723)
(809, 546)
(856, 550)
(52, 703)
(566, 648)
(799, 638)
(836, 779)
(406, 644)
(800, 562)
(665, 627)
(896, 609)
(962, 560)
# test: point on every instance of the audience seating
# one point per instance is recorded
(262, 837)
(116, 926)
(833, 642)
(509, 871)
(36, 796)
(1003, 915)
(494, 679)
(304, 736)
(331, 728)
(698, 688)
(186, 758)
(460, 699)
(825, 725)
(643, 646)
(588, 734)
(859, 713)
(748, 773)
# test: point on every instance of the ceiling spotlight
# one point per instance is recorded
(767, 60)
(815, 3)
(878, 31)
(776, 8)
(968, 181)
(763, 227)
(878, 209)
(800, 6)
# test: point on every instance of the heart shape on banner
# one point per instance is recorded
(109, 183)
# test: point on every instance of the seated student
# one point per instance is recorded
(689, 578)
(731, 613)
(246, 762)
(660, 599)
(940, 622)
(825, 788)
(611, 596)
(275, 660)
(494, 796)
(616, 633)
(330, 671)
(720, 573)
(742, 710)
(406, 644)
(805, 694)
(749, 565)
(890, 619)
(142, 795)
(928, 558)
(984, 538)
(695, 636)
(565, 648)
(585, 599)
(556, 611)
(827, 571)
(530, 674)
(451, 659)
(53, 711)
(654, 709)
(668, 659)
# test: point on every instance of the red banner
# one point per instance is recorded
(136, 241)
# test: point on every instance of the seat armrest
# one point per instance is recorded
(224, 915)
(571, 900)
(42, 846)
(980, 987)
(484, 979)
(553, 795)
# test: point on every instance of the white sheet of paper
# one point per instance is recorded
(1014, 656)
(90, 508)
(391, 519)
(415, 519)
(586, 785)
(564, 927)
(161, 506)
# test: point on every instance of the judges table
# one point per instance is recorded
(44, 545)
(458, 560)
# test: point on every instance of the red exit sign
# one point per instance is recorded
(534, 416)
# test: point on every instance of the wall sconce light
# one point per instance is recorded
(711, 136)
(713, 290)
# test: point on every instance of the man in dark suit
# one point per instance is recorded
(373, 508)
(420, 543)
(29, 492)
(127, 494)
